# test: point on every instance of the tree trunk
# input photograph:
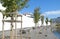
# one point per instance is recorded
(51, 27)
(46, 26)
(35, 25)
(11, 31)
(35, 28)
(3, 29)
(15, 28)
(41, 24)
(21, 28)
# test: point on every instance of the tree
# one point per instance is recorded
(12, 6)
(36, 16)
(51, 23)
(42, 19)
(46, 21)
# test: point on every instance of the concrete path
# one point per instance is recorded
(38, 33)
(42, 33)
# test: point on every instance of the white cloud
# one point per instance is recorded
(52, 12)
(1, 7)
(43, 14)
(48, 13)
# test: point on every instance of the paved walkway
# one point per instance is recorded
(42, 33)
(38, 33)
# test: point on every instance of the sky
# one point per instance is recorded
(49, 8)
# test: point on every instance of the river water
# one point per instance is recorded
(57, 34)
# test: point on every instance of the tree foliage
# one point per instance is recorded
(50, 21)
(46, 20)
(13, 5)
(36, 15)
(42, 19)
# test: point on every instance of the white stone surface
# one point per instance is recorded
(27, 22)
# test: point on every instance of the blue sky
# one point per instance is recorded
(50, 8)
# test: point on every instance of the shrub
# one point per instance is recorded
(23, 31)
(58, 28)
